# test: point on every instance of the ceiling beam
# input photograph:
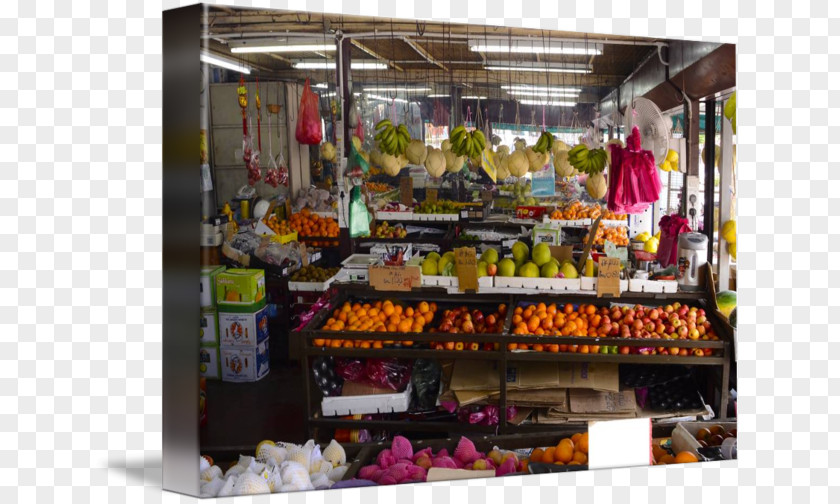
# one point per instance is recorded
(423, 52)
(367, 50)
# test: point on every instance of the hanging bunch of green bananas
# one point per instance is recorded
(467, 143)
(588, 161)
(392, 139)
(544, 143)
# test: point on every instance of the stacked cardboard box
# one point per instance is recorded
(243, 324)
(209, 332)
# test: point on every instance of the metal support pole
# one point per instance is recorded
(726, 174)
(709, 191)
(456, 113)
(691, 183)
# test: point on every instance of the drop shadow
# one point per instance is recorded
(144, 470)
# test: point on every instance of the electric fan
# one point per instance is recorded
(654, 128)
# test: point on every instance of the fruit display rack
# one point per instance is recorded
(720, 357)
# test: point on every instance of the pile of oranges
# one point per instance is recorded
(569, 451)
(308, 224)
(615, 234)
(380, 316)
(377, 187)
(610, 215)
(576, 210)
(277, 225)
(661, 456)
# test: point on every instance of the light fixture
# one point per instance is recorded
(548, 103)
(473, 97)
(282, 45)
(387, 98)
(438, 96)
(321, 85)
(545, 94)
(224, 63)
(542, 67)
(398, 89)
(329, 65)
(541, 88)
(537, 46)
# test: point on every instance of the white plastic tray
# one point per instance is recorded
(590, 283)
(452, 281)
(312, 286)
(553, 284)
(367, 404)
(656, 286)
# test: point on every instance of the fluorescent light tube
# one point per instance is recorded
(219, 62)
(387, 98)
(539, 67)
(283, 48)
(473, 97)
(544, 94)
(330, 65)
(438, 96)
(321, 85)
(536, 47)
(548, 102)
(542, 88)
(399, 89)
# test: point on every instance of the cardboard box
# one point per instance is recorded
(476, 375)
(546, 232)
(390, 402)
(209, 332)
(207, 285)
(683, 436)
(596, 401)
(243, 329)
(240, 364)
(241, 290)
(209, 362)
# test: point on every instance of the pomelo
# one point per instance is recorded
(433, 255)
(429, 267)
(482, 268)
(541, 254)
(520, 252)
(507, 268)
(569, 270)
(549, 270)
(490, 256)
(529, 270)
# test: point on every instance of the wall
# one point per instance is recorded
(226, 136)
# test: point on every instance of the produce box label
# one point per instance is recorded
(431, 194)
(243, 329)
(209, 362)
(394, 278)
(542, 182)
(406, 191)
(530, 212)
(209, 328)
(465, 266)
(241, 288)
(244, 364)
(207, 285)
(608, 277)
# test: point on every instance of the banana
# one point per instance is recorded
(478, 135)
(458, 129)
(403, 129)
(382, 123)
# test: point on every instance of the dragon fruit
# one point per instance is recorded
(507, 467)
(444, 462)
(465, 451)
(401, 448)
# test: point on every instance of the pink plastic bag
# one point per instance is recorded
(633, 181)
(308, 130)
(670, 227)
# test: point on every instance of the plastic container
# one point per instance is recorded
(367, 404)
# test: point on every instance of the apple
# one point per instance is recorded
(474, 346)
(692, 309)
(454, 330)
(683, 332)
(677, 323)
(490, 319)
(674, 336)
(467, 326)
(701, 312)
(450, 345)
(660, 328)
(628, 319)
(701, 330)
(459, 346)
(669, 309)
(650, 326)
(654, 314)
(701, 319)
(477, 316)
(492, 269)
(669, 328)
(707, 325)
(645, 335)
(636, 333)
(445, 326)
(638, 324)
(625, 350)
(674, 350)
(694, 334)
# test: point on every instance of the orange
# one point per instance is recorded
(574, 462)
(388, 309)
(576, 437)
(409, 312)
(537, 454)
(398, 309)
(394, 319)
(685, 457)
(373, 312)
(318, 342)
(533, 323)
(564, 452)
(583, 444)
(667, 459)
(658, 452)
(428, 316)
(548, 455)
(558, 463)
(391, 328)
(433, 306)
(580, 458)
(423, 307)
(405, 325)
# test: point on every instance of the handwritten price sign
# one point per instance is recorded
(609, 269)
(394, 278)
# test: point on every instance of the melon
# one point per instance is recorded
(596, 186)
(726, 301)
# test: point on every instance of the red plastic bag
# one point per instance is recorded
(633, 180)
(308, 130)
(360, 131)
(670, 227)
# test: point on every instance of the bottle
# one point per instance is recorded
(589, 268)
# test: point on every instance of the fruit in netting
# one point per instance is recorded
(435, 163)
(536, 160)
(562, 167)
(402, 160)
(502, 170)
(445, 145)
(328, 151)
(596, 185)
(503, 150)
(416, 152)
(390, 164)
(518, 163)
(519, 144)
(728, 231)
(454, 163)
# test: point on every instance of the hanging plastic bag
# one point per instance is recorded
(633, 182)
(308, 130)
(670, 227)
(360, 131)
(357, 166)
(359, 215)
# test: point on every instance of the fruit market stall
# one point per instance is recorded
(459, 269)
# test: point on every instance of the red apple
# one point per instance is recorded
(660, 328)
(669, 309)
(638, 324)
(701, 312)
(654, 314)
(701, 319)
(628, 319)
(625, 350)
(650, 326)
(682, 331)
(492, 269)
